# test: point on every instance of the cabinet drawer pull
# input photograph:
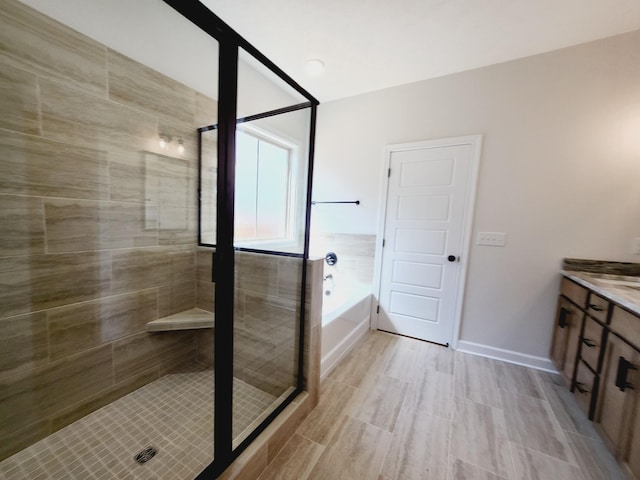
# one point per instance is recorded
(621, 376)
(595, 307)
(580, 388)
(562, 321)
(589, 343)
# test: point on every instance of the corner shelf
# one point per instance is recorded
(188, 320)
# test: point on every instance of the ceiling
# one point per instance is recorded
(369, 45)
(366, 45)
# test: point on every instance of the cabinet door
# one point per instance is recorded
(566, 338)
(632, 451)
(615, 402)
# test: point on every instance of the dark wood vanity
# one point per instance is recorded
(596, 349)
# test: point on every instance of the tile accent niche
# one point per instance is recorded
(98, 223)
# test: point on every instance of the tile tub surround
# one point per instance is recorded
(398, 408)
(355, 252)
(99, 225)
(265, 314)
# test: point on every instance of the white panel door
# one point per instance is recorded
(426, 201)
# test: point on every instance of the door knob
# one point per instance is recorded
(452, 258)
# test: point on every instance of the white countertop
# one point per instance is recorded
(627, 297)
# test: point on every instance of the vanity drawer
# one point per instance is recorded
(591, 342)
(585, 388)
(574, 292)
(626, 324)
(598, 307)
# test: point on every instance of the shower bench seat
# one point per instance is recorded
(188, 320)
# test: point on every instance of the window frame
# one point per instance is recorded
(293, 188)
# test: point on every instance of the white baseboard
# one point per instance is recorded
(539, 363)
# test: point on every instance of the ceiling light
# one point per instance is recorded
(314, 67)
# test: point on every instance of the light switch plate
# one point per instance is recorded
(493, 239)
(635, 249)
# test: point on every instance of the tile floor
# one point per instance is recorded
(174, 414)
(400, 409)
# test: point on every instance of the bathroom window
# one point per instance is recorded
(264, 188)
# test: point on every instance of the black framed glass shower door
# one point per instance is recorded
(258, 243)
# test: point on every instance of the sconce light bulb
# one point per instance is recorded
(180, 147)
(162, 142)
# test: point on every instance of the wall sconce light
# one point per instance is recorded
(165, 140)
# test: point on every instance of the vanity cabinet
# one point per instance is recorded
(618, 411)
(568, 325)
(596, 349)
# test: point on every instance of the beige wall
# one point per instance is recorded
(559, 173)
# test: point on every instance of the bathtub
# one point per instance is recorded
(345, 320)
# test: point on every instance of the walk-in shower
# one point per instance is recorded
(154, 198)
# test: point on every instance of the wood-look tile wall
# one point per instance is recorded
(355, 253)
(266, 314)
(98, 224)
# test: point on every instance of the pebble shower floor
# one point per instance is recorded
(174, 414)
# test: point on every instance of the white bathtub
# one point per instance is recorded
(345, 320)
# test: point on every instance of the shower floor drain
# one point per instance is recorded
(145, 455)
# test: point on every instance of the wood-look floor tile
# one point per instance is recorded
(516, 379)
(479, 437)
(475, 380)
(295, 461)
(594, 459)
(531, 423)
(532, 465)
(322, 422)
(379, 404)
(22, 230)
(363, 363)
(39, 44)
(419, 447)
(19, 100)
(563, 404)
(401, 359)
(356, 453)
(436, 357)
(461, 470)
(25, 168)
(432, 393)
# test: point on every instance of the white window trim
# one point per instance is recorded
(294, 183)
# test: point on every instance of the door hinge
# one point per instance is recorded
(384, 242)
(388, 172)
(378, 309)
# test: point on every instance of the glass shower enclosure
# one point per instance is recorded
(155, 212)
